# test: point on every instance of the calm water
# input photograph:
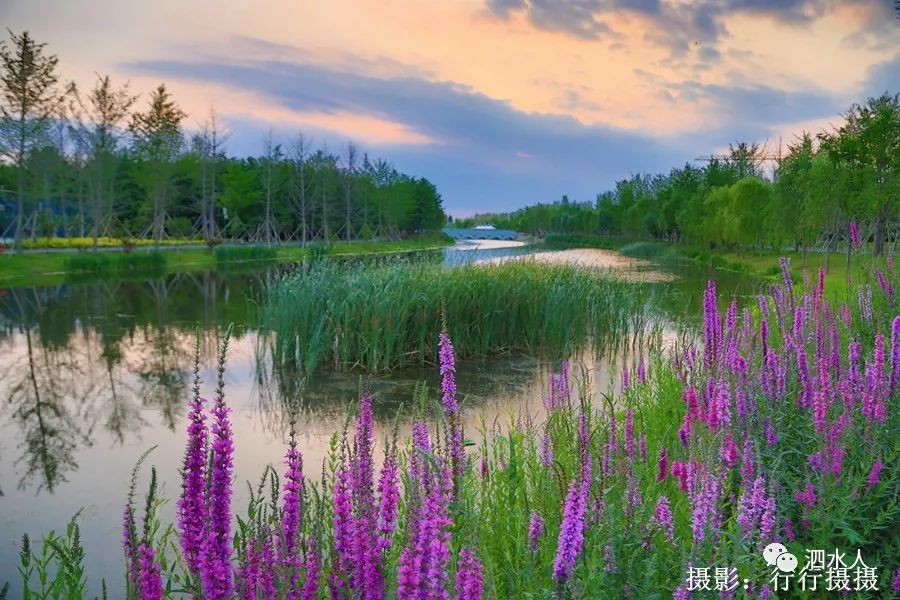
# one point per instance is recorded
(94, 374)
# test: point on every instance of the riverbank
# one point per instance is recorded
(609, 262)
(840, 276)
(37, 268)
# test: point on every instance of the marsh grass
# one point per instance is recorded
(254, 253)
(117, 263)
(386, 316)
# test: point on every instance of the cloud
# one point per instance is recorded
(883, 77)
(469, 144)
(675, 24)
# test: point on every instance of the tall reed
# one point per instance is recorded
(383, 317)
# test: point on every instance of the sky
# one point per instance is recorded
(501, 103)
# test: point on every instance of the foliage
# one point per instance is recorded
(384, 317)
(150, 262)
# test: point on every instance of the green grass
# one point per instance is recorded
(383, 317)
(105, 263)
(51, 268)
(254, 253)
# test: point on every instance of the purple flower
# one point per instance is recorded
(342, 526)
(629, 433)
(895, 354)
(625, 380)
(895, 584)
(874, 474)
(641, 371)
(191, 507)
(663, 465)
(771, 434)
(789, 530)
(546, 449)
(663, 517)
(422, 566)
(609, 558)
(704, 508)
(807, 497)
(469, 576)
(571, 531)
(535, 530)
(729, 452)
(886, 286)
(293, 489)
(451, 405)
(389, 497)
(149, 576)
(786, 274)
(312, 567)
(216, 574)
(765, 592)
(854, 234)
(448, 374)
(681, 593)
(712, 328)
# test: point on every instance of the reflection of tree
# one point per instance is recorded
(51, 430)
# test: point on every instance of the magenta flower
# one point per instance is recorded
(389, 497)
(293, 489)
(767, 520)
(450, 404)
(895, 583)
(216, 574)
(663, 517)
(312, 567)
(469, 577)
(191, 507)
(535, 530)
(663, 465)
(629, 433)
(149, 576)
(874, 474)
(571, 531)
(854, 234)
(807, 497)
(681, 593)
(546, 450)
(895, 354)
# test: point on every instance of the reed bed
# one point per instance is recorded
(382, 317)
(99, 263)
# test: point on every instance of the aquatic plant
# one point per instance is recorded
(383, 317)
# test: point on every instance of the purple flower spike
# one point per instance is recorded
(191, 507)
(535, 530)
(469, 577)
(216, 574)
(571, 531)
(149, 578)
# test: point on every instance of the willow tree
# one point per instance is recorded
(29, 99)
(158, 139)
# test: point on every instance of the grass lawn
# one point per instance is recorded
(766, 265)
(49, 268)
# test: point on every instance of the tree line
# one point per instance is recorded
(805, 200)
(92, 163)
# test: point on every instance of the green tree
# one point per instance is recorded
(28, 101)
(158, 140)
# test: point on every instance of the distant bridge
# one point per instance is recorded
(481, 234)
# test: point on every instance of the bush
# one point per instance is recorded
(99, 263)
(646, 250)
